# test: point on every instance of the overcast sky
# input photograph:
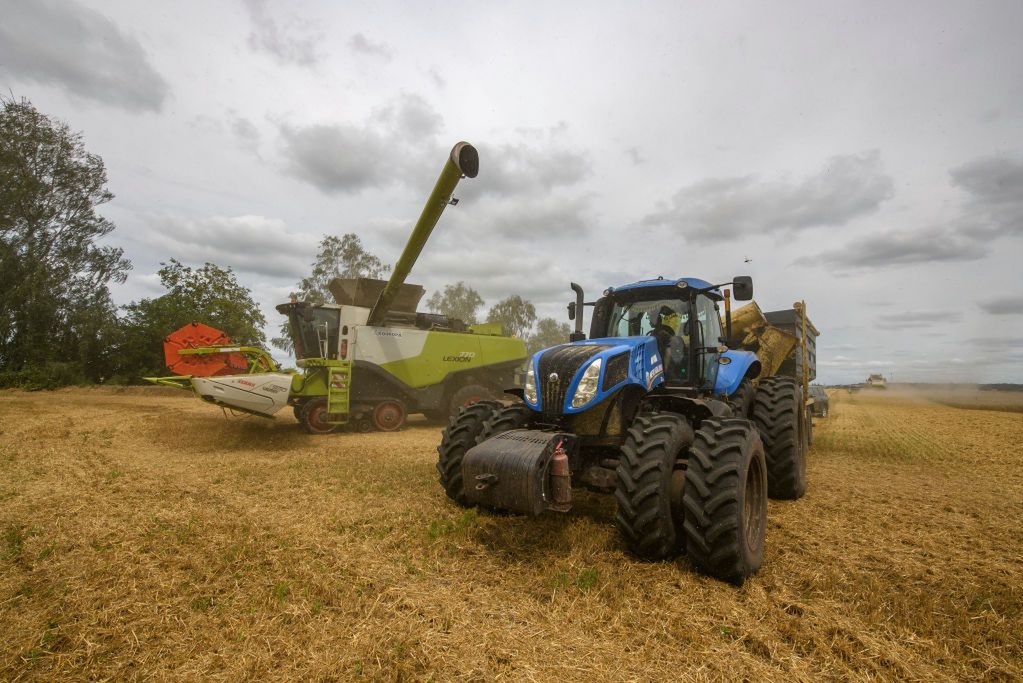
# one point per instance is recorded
(864, 156)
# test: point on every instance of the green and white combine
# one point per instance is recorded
(368, 360)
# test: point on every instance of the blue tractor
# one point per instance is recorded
(657, 407)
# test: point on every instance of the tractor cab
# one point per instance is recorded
(682, 316)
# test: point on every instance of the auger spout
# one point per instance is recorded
(464, 161)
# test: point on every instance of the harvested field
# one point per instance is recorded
(145, 536)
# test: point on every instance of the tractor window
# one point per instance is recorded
(710, 334)
(637, 318)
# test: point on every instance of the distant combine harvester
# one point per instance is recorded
(877, 382)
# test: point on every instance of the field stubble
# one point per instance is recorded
(143, 535)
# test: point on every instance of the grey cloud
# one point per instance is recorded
(1007, 305)
(253, 244)
(335, 159)
(67, 44)
(285, 44)
(634, 156)
(847, 187)
(917, 319)
(520, 169)
(245, 130)
(345, 159)
(363, 45)
(995, 185)
(898, 248)
(410, 117)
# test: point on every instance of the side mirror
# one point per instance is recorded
(742, 288)
(571, 310)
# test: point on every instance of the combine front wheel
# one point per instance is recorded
(314, 417)
(725, 500)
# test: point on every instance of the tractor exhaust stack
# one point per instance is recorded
(464, 161)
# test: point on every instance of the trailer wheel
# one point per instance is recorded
(459, 436)
(314, 417)
(725, 500)
(389, 415)
(515, 416)
(467, 396)
(779, 416)
(648, 521)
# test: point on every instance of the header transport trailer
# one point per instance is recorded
(691, 423)
(367, 360)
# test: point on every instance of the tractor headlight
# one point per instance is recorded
(587, 388)
(530, 389)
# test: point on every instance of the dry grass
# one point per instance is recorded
(142, 535)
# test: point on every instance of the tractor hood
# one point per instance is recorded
(623, 360)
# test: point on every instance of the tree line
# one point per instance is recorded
(58, 323)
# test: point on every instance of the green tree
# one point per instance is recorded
(549, 332)
(54, 274)
(515, 314)
(457, 301)
(210, 295)
(338, 257)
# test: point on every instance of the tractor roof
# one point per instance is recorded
(695, 283)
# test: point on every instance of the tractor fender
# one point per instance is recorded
(739, 366)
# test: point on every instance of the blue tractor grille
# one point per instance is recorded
(565, 361)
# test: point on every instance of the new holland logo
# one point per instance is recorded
(462, 357)
(553, 378)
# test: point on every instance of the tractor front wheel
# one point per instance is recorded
(507, 418)
(647, 518)
(460, 435)
(314, 417)
(725, 500)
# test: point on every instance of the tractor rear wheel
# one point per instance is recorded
(467, 396)
(515, 416)
(779, 416)
(725, 499)
(460, 435)
(314, 417)
(648, 521)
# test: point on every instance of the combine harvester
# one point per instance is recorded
(368, 360)
(690, 426)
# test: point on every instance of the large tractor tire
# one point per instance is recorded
(648, 520)
(741, 399)
(467, 396)
(515, 416)
(314, 417)
(725, 500)
(779, 415)
(460, 435)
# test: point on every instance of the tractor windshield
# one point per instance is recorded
(635, 318)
